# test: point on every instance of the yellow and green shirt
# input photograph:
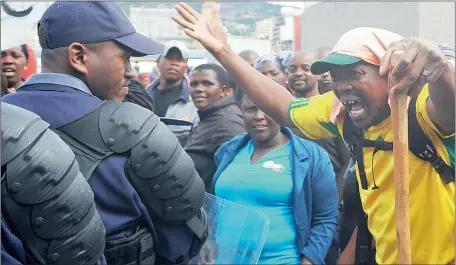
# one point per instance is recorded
(432, 204)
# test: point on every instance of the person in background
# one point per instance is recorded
(136, 68)
(13, 64)
(144, 79)
(171, 92)
(274, 67)
(220, 118)
(249, 56)
(301, 82)
(4, 81)
(325, 81)
(305, 85)
(136, 92)
(448, 51)
(154, 74)
(32, 66)
(288, 179)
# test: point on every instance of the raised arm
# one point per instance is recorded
(271, 97)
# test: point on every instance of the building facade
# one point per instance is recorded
(325, 22)
(263, 29)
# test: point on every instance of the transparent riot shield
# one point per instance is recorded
(236, 233)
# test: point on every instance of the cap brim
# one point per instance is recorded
(334, 59)
(140, 45)
(183, 55)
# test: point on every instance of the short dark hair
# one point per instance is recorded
(222, 75)
(246, 53)
(239, 96)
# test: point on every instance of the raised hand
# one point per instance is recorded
(209, 32)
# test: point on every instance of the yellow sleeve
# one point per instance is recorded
(443, 143)
(312, 116)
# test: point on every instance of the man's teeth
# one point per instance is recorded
(356, 113)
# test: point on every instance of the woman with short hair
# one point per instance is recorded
(220, 118)
(288, 179)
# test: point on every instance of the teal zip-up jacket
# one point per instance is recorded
(315, 198)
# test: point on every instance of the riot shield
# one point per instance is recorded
(236, 233)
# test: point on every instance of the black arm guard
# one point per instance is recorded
(46, 201)
(159, 169)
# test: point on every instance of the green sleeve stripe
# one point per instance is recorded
(449, 146)
(297, 103)
(330, 127)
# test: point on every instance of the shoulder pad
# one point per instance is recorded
(19, 129)
(123, 125)
(165, 177)
(46, 200)
(35, 176)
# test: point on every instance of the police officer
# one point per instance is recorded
(146, 188)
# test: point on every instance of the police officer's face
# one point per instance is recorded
(105, 71)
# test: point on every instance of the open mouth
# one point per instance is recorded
(356, 107)
(9, 72)
(299, 82)
(325, 81)
(260, 127)
(200, 98)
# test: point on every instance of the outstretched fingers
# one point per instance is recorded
(191, 11)
(216, 13)
(185, 14)
(184, 23)
(191, 34)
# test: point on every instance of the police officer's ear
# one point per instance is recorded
(78, 56)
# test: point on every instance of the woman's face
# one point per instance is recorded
(205, 89)
(273, 71)
(13, 64)
(258, 125)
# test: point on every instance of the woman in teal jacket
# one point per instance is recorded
(288, 179)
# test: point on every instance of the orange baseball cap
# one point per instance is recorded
(359, 44)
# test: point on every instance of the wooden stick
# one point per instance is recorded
(399, 120)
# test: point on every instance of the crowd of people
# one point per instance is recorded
(302, 137)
